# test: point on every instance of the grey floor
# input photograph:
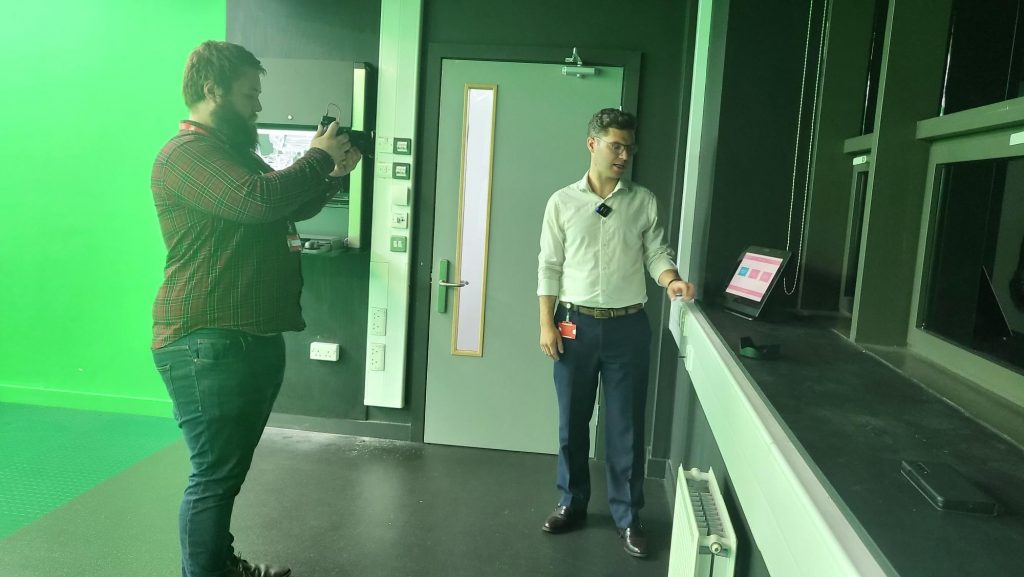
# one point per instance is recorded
(330, 505)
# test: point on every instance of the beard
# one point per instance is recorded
(239, 132)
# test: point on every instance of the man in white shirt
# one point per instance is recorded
(598, 235)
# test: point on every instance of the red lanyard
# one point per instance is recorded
(194, 128)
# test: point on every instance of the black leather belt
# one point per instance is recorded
(602, 313)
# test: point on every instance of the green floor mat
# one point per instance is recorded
(48, 456)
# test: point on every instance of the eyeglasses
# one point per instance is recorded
(618, 148)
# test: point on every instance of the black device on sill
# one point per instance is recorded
(946, 489)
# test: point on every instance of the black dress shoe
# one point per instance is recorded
(238, 567)
(634, 540)
(563, 519)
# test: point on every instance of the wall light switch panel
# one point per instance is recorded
(399, 243)
(403, 146)
(401, 170)
(400, 194)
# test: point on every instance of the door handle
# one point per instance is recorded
(443, 285)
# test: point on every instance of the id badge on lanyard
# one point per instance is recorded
(294, 242)
(567, 328)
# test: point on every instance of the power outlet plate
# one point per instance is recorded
(378, 321)
(324, 351)
(376, 354)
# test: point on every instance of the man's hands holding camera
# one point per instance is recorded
(345, 156)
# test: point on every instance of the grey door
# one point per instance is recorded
(502, 395)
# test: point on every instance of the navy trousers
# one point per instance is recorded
(618, 351)
(223, 384)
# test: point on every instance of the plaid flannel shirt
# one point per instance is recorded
(225, 216)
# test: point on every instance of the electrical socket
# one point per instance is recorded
(378, 321)
(376, 354)
(324, 351)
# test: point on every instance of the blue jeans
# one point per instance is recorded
(618, 350)
(223, 384)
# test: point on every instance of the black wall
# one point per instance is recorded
(310, 29)
(334, 300)
(757, 135)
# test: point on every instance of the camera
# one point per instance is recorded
(363, 140)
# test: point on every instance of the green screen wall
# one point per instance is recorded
(91, 91)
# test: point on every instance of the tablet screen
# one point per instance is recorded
(753, 276)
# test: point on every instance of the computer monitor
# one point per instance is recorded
(280, 145)
(757, 271)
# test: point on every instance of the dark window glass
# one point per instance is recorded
(867, 122)
(972, 296)
(983, 54)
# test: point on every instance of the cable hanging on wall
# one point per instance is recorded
(823, 37)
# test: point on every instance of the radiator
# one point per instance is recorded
(703, 542)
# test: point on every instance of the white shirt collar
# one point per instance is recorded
(583, 185)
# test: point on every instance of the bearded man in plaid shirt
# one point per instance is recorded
(231, 286)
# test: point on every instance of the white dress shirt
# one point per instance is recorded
(596, 261)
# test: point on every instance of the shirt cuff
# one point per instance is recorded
(659, 268)
(324, 162)
(547, 287)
